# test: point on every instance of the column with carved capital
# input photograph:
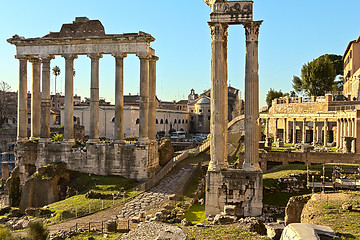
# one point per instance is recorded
(69, 98)
(338, 133)
(294, 131)
(35, 98)
(152, 99)
(45, 100)
(219, 104)
(119, 97)
(22, 100)
(94, 98)
(251, 162)
(144, 99)
(314, 131)
(304, 131)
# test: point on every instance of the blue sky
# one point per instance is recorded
(293, 33)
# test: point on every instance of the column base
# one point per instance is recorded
(247, 167)
(69, 141)
(121, 142)
(93, 141)
(244, 190)
(32, 138)
(22, 139)
(143, 141)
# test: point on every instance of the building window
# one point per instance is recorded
(208, 110)
(137, 121)
(183, 121)
(186, 121)
(166, 121)
(157, 122)
(161, 121)
(175, 121)
(179, 121)
(113, 119)
(209, 118)
(29, 120)
(192, 118)
(191, 110)
(200, 110)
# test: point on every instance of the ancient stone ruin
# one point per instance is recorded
(85, 37)
(241, 189)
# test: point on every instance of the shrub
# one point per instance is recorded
(5, 234)
(57, 138)
(37, 231)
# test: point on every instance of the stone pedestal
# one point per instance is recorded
(234, 187)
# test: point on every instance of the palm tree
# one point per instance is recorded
(56, 72)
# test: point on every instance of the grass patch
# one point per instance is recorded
(196, 214)
(85, 236)
(79, 205)
(281, 198)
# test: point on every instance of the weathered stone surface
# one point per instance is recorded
(294, 208)
(254, 225)
(111, 226)
(154, 230)
(224, 219)
(274, 230)
(166, 151)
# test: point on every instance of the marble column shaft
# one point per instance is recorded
(304, 131)
(22, 101)
(152, 98)
(341, 133)
(314, 132)
(45, 100)
(35, 98)
(94, 98)
(69, 98)
(326, 126)
(119, 98)
(294, 130)
(251, 162)
(285, 130)
(218, 125)
(276, 129)
(144, 99)
(338, 133)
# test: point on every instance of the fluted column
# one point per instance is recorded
(304, 131)
(341, 133)
(22, 100)
(276, 129)
(94, 98)
(314, 131)
(45, 100)
(152, 99)
(144, 99)
(69, 98)
(251, 162)
(353, 120)
(218, 127)
(119, 98)
(35, 98)
(267, 127)
(349, 127)
(294, 130)
(326, 132)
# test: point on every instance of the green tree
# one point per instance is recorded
(318, 76)
(271, 95)
(56, 71)
(7, 103)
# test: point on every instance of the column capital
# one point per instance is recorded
(69, 56)
(34, 59)
(219, 31)
(119, 55)
(95, 56)
(154, 58)
(46, 57)
(144, 55)
(252, 30)
(22, 57)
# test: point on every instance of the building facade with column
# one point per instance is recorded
(85, 37)
(326, 123)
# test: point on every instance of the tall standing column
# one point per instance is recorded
(349, 127)
(304, 131)
(45, 100)
(22, 100)
(338, 133)
(35, 98)
(251, 162)
(152, 99)
(144, 99)
(69, 98)
(276, 130)
(314, 131)
(94, 98)
(285, 130)
(326, 130)
(341, 133)
(267, 127)
(119, 98)
(294, 131)
(218, 126)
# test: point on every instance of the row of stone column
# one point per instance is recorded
(40, 101)
(219, 101)
(345, 128)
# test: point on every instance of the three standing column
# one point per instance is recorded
(22, 100)
(326, 130)
(94, 98)
(45, 100)
(218, 120)
(69, 98)
(35, 98)
(152, 99)
(119, 98)
(251, 162)
(144, 99)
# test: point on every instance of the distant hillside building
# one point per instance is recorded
(351, 60)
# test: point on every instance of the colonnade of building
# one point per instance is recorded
(40, 99)
(321, 127)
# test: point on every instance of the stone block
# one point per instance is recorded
(274, 230)
(111, 226)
